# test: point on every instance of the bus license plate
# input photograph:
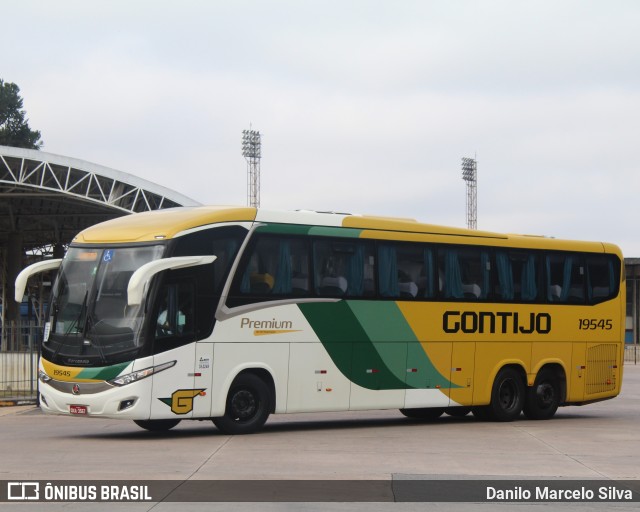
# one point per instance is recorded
(78, 409)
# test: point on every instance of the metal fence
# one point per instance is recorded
(19, 361)
(632, 354)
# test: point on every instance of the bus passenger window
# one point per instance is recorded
(517, 276)
(466, 273)
(343, 268)
(388, 271)
(601, 278)
(410, 266)
(506, 285)
(565, 278)
(276, 267)
(450, 276)
(399, 270)
(426, 279)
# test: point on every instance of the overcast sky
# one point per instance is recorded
(364, 106)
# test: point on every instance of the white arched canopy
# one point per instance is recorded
(49, 198)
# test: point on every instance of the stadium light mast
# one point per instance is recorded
(252, 152)
(470, 175)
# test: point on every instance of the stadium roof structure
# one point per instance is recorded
(49, 198)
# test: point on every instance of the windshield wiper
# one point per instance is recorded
(76, 322)
(92, 340)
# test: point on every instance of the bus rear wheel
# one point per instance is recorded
(423, 413)
(156, 425)
(507, 395)
(248, 406)
(543, 398)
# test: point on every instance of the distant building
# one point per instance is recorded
(632, 327)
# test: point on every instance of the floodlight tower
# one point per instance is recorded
(252, 152)
(470, 175)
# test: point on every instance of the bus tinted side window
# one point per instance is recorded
(275, 267)
(464, 273)
(565, 278)
(602, 277)
(224, 243)
(186, 305)
(518, 275)
(343, 268)
(406, 271)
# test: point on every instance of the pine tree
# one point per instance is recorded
(14, 128)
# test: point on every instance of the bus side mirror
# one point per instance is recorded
(141, 277)
(36, 268)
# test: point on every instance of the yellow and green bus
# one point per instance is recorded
(235, 313)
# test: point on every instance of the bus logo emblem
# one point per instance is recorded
(181, 401)
(75, 389)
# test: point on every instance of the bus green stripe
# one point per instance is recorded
(369, 343)
(342, 334)
(302, 229)
(382, 321)
(329, 231)
(386, 326)
(103, 372)
(284, 229)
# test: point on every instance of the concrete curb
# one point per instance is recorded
(12, 402)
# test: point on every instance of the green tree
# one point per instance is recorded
(14, 128)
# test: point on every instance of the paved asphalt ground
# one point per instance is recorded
(598, 441)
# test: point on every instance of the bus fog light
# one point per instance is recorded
(125, 404)
(43, 400)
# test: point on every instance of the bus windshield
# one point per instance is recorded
(90, 320)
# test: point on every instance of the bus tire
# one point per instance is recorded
(543, 398)
(507, 395)
(426, 413)
(156, 425)
(248, 406)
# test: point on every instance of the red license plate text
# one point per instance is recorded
(78, 409)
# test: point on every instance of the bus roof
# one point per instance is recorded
(162, 224)
(169, 223)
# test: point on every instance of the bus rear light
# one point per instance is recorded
(372, 370)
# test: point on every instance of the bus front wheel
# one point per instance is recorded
(543, 398)
(156, 425)
(248, 406)
(507, 395)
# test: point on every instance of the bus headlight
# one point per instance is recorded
(123, 380)
(43, 376)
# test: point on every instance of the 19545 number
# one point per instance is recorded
(591, 324)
